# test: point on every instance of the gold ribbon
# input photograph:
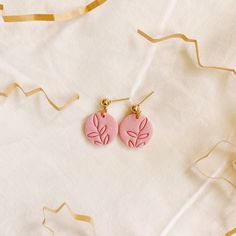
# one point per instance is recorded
(52, 17)
(207, 155)
(16, 86)
(84, 218)
(75, 216)
(188, 40)
(231, 232)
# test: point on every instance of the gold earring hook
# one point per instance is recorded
(145, 98)
(119, 100)
(136, 108)
(106, 102)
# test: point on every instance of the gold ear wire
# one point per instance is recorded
(145, 98)
(136, 108)
(106, 102)
(120, 100)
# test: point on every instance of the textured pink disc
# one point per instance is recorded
(100, 130)
(135, 132)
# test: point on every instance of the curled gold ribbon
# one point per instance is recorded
(75, 216)
(188, 40)
(207, 155)
(16, 86)
(52, 17)
(231, 232)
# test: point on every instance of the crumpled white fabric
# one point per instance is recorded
(44, 157)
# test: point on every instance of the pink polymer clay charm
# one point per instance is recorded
(100, 129)
(135, 131)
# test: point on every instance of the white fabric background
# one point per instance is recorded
(44, 157)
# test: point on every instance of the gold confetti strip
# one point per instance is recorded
(207, 156)
(231, 232)
(52, 17)
(75, 216)
(16, 86)
(188, 40)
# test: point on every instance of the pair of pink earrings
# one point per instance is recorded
(135, 130)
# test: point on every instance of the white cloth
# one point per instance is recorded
(44, 156)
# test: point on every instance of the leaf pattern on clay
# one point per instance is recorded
(140, 144)
(106, 139)
(98, 142)
(139, 138)
(99, 136)
(95, 121)
(92, 134)
(103, 130)
(132, 134)
(143, 136)
(143, 124)
(130, 143)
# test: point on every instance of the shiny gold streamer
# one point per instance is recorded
(52, 17)
(16, 86)
(188, 40)
(231, 232)
(83, 218)
(207, 155)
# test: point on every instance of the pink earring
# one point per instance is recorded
(135, 130)
(100, 127)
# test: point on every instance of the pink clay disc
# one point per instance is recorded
(135, 132)
(99, 129)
